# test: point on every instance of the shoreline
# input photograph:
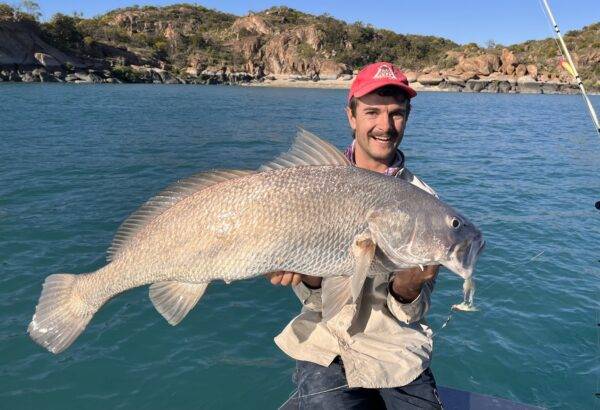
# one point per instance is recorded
(345, 85)
(493, 84)
(334, 84)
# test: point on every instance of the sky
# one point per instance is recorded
(463, 21)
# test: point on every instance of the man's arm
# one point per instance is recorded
(307, 288)
(409, 293)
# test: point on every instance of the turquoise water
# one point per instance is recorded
(76, 160)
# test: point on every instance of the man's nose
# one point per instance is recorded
(384, 123)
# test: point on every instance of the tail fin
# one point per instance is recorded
(61, 313)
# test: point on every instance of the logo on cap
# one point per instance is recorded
(385, 71)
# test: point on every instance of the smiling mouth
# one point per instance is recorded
(382, 139)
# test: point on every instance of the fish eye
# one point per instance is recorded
(455, 223)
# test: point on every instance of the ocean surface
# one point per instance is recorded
(75, 160)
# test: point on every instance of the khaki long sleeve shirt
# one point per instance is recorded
(388, 343)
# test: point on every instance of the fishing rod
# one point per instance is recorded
(571, 66)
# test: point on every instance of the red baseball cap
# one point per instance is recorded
(378, 75)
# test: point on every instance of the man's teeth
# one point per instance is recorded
(382, 138)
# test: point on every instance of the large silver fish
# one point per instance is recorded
(308, 211)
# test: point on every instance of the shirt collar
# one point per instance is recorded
(393, 170)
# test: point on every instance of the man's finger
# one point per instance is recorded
(276, 278)
(286, 279)
(296, 279)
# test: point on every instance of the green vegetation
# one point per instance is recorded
(62, 31)
(584, 46)
(26, 10)
(126, 74)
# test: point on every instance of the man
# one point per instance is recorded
(382, 359)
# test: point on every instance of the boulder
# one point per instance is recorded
(532, 70)
(27, 77)
(47, 60)
(331, 70)
(521, 70)
(504, 87)
(411, 76)
(526, 84)
(492, 87)
(509, 61)
(447, 86)
(484, 64)
(346, 77)
(430, 79)
(10, 75)
(551, 88)
(43, 75)
(251, 24)
(455, 80)
(476, 85)
(83, 77)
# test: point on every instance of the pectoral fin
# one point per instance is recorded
(343, 292)
(174, 300)
(363, 250)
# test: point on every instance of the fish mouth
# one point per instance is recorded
(463, 256)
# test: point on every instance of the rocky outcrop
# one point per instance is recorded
(253, 25)
(20, 43)
(47, 60)
(481, 65)
(430, 79)
(331, 70)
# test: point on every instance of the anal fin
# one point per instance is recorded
(174, 300)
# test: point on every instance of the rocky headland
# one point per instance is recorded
(188, 44)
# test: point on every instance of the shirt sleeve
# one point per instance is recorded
(415, 310)
(310, 298)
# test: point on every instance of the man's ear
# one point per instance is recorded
(351, 118)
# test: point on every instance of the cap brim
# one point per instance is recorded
(368, 88)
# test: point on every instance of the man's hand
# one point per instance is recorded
(284, 278)
(407, 283)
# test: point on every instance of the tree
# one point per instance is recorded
(63, 32)
(31, 8)
(490, 44)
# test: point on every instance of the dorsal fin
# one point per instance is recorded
(164, 200)
(307, 149)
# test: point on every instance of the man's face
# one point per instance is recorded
(378, 126)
